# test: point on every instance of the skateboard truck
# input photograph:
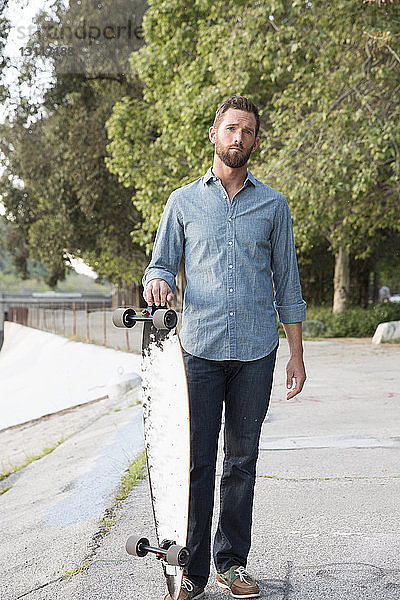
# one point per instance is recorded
(170, 552)
(160, 316)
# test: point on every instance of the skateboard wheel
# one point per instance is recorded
(124, 317)
(134, 545)
(178, 556)
(165, 318)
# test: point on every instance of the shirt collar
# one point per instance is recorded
(210, 175)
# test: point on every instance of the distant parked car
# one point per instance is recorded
(395, 298)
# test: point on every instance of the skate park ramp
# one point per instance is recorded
(42, 373)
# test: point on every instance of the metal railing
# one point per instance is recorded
(82, 317)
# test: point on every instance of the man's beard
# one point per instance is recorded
(231, 158)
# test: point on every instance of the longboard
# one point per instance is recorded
(167, 440)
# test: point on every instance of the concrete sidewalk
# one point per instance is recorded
(326, 516)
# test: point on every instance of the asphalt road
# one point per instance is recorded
(326, 516)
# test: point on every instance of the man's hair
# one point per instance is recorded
(238, 103)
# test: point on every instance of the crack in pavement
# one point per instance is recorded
(97, 539)
(331, 478)
(39, 587)
(287, 587)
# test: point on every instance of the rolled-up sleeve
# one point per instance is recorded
(289, 303)
(168, 246)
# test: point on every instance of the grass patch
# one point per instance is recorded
(108, 522)
(4, 490)
(29, 459)
(135, 403)
(109, 519)
(356, 322)
(135, 473)
(78, 569)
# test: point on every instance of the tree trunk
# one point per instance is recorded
(359, 287)
(128, 295)
(341, 282)
(375, 282)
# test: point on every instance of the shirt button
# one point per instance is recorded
(231, 313)
(230, 243)
(231, 289)
(231, 266)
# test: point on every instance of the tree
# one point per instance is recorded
(56, 187)
(4, 61)
(316, 84)
(335, 133)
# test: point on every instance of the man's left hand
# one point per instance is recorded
(295, 376)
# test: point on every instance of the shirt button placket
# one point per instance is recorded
(231, 284)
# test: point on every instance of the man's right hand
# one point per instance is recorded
(158, 292)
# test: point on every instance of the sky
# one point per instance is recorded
(20, 14)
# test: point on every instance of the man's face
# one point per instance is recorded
(235, 138)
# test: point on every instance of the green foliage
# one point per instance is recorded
(330, 126)
(36, 272)
(161, 143)
(4, 61)
(79, 569)
(389, 272)
(356, 322)
(316, 273)
(56, 189)
(16, 269)
(330, 130)
(10, 281)
(335, 128)
(5, 472)
(135, 473)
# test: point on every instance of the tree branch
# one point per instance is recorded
(120, 78)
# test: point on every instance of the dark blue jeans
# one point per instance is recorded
(245, 389)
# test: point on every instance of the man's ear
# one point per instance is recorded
(211, 134)
(256, 144)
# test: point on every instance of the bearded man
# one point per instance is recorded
(240, 263)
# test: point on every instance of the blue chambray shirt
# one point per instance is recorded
(236, 254)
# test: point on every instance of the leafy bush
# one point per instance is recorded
(356, 322)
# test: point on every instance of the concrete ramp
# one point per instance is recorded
(42, 373)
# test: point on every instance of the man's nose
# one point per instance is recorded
(238, 138)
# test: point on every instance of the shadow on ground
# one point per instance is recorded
(353, 581)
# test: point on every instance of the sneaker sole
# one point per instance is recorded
(226, 587)
(195, 597)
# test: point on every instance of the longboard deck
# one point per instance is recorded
(167, 439)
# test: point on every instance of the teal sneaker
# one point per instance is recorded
(189, 591)
(239, 582)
